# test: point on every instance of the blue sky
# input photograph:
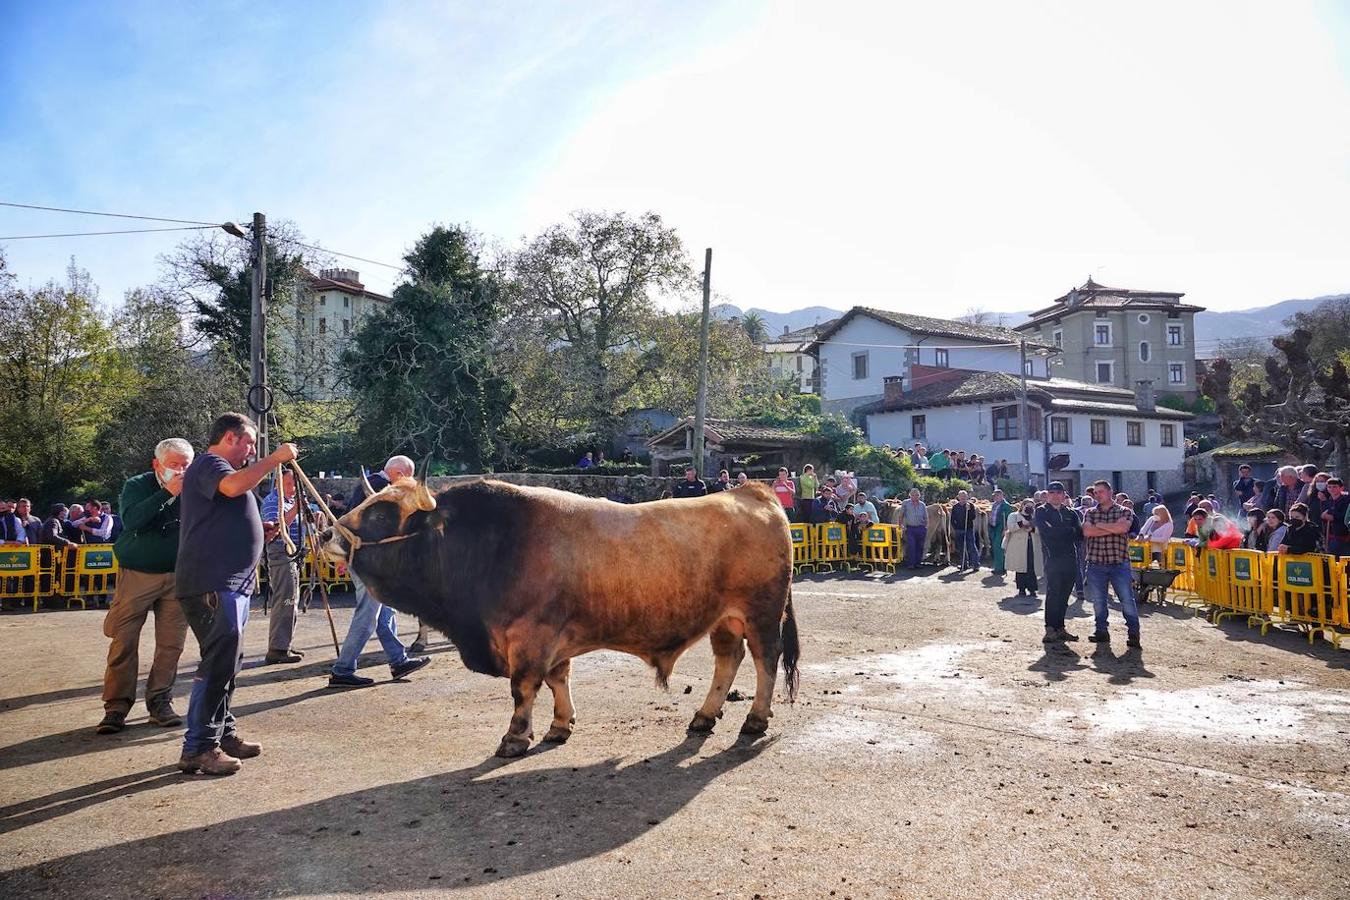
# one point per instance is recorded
(925, 157)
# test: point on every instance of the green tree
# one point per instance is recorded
(755, 329)
(213, 275)
(61, 375)
(170, 391)
(586, 290)
(737, 371)
(423, 369)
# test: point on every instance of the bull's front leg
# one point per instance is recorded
(524, 686)
(564, 713)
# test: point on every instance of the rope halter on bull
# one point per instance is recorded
(423, 498)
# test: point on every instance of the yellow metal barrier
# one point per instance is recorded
(1181, 557)
(1211, 579)
(334, 574)
(87, 572)
(880, 547)
(831, 547)
(1139, 554)
(27, 573)
(803, 546)
(1310, 592)
(1249, 592)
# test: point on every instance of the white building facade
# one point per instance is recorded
(790, 359)
(317, 324)
(1077, 432)
(860, 350)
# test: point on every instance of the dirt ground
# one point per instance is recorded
(936, 750)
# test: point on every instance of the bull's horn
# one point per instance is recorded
(425, 500)
(365, 483)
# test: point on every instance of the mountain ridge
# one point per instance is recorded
(1261, 322)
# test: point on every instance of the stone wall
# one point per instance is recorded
(625, 488)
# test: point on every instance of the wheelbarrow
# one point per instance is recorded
(1152, 584)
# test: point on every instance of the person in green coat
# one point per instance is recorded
(999, 511)
(940, 464)
(147, 554)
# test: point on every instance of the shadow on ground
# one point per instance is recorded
(477, 825)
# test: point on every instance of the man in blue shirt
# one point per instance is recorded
(283, 576)
(11, 529)
(220, 541)
(371, 616)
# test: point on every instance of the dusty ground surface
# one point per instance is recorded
(935, 750)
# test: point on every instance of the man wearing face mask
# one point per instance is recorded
(1301, 535)
(1317, 497)
(147, 552)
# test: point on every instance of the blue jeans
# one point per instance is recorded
(370, 616)
(218, 621)
(966, 552)
(1116, 575)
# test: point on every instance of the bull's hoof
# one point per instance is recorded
(701, 723)
(558, 734)
(754, 725)
(512, 747)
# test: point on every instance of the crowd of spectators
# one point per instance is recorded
(948, 464)
(66, 525)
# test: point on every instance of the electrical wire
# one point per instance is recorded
(373, 262)
(32, 237)
(202, 225)
(86, 212)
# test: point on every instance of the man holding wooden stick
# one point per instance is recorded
(220, 544)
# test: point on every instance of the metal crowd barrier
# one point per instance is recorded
(1307, 591)
(39, 572)
(880, 548)
(823, 547)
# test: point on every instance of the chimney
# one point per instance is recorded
(893, 387)
(1143, 395)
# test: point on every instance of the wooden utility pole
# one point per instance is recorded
(259, 397)
(1023, 419)
(701, 403)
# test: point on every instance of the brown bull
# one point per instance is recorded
(523, 579)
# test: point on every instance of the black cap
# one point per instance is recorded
(1055, 486)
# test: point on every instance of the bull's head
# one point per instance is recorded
(382, 518)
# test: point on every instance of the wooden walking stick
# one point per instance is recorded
(312, 544)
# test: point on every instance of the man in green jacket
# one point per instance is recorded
(147, 552)
(999, 510)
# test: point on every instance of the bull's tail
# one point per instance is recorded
(791, 650)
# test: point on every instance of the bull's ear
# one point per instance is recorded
(424, 498)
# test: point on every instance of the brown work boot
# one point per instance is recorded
(240, 749)
(210, 762)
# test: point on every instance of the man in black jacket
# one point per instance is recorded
(691, 486)
(963, 527)
(1061, 532)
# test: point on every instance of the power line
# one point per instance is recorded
(373, 262)
(86, 212)
(32, 237)
(203, 225)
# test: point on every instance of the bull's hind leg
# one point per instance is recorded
(524, 686)
(728, 646)
(564, 713)
(765, 649)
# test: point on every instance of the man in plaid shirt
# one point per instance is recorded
(1106, 531)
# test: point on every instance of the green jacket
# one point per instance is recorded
(998, 515)
(149, 540)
